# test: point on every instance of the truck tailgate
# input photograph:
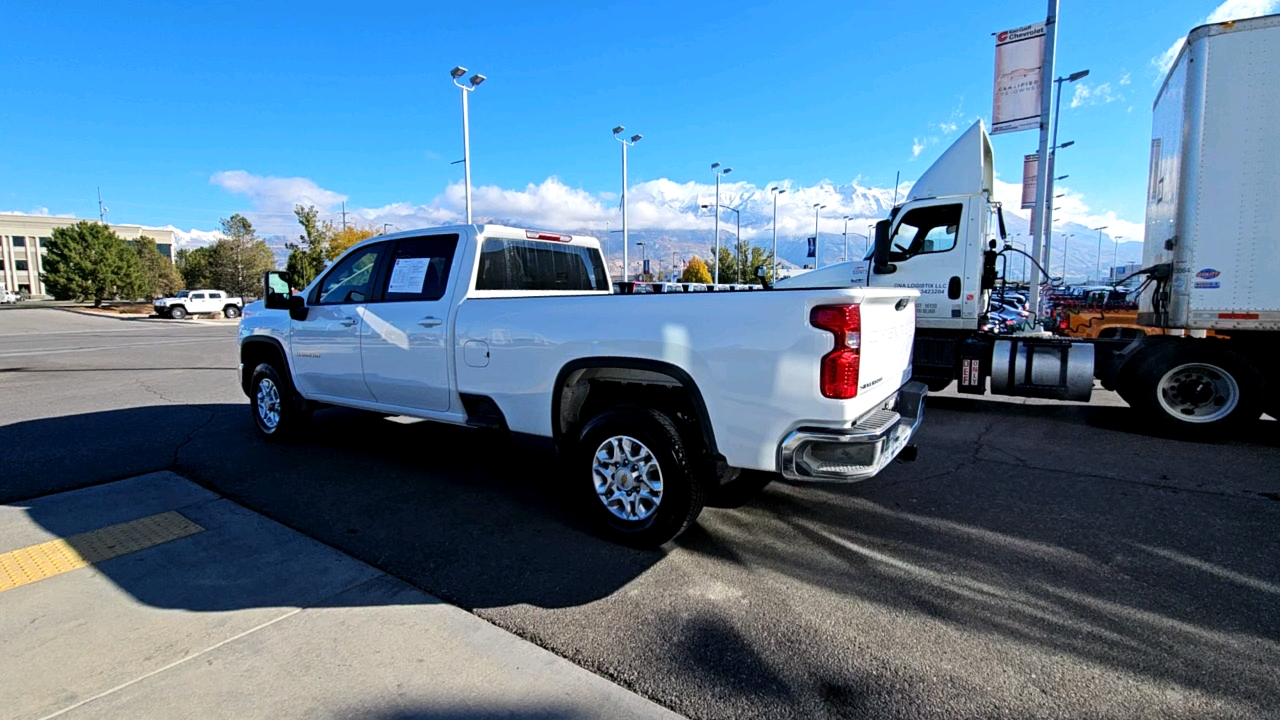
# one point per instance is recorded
(888, 332)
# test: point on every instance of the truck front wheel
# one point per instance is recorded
(635, 477)
(276, 412)
(177, 312)
(1196, 391)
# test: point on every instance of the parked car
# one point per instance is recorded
(198, 302)
(651, 401)
(8, 296)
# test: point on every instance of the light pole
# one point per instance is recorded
(1065, 239)
(816, 208)
(474, 83)
(1053, 154)
(1115, 255)
(643, 257)
(1015, 243)
(776, 192)
(737, 236)
(1097, 266)
(675, 264)
(846, 238)
(715, 168)
(871, 232)
(625, 144)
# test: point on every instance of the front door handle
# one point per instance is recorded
(348, 322)
(430, 322)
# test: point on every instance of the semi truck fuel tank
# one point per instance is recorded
(1042, 368)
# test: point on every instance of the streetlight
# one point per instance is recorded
(1015, 243)
(776, 192)
(816, 208)
(737, 236)
(846, 237)
(871, 232)
(643, 257)
(474, 83)
(1065, 239)
(1115, 255)
(625, 144)
(1053, 154)
(1097, 266)
(675, 263)
(715, 168)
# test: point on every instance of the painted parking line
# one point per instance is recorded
(37, 562)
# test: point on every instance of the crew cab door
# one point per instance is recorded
(405, 331)
(928, 246)
(326, 346)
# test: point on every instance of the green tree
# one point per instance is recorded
(195, 266)
(159, 277)
(239, 258)
(308, 255)
(696, 271)
(745, 257)
(87, 261)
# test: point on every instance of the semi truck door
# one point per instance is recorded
(927, 249)
(405, 341)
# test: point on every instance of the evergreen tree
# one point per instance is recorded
(194, 266)
(238, 260)
(160, 278)
(308, 255)
(87, 261)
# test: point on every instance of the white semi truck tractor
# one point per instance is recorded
(1211, 257)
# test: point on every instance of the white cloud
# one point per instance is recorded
(273, 198)
(1071, 209)
(948, 127)
(917, 147)
(1124, 80)
(1094, 95)
(1228, 10)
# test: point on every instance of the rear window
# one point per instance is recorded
(533, 265)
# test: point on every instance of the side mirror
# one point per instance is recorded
(297, 307)
(1004, 235)
(277, 288)
(880, 258)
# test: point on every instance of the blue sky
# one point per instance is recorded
(152, 101)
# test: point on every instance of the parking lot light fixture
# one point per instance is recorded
(473, 83)
(775, 192)
(715, 168)
(625, 227)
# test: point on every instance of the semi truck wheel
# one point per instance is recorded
(635, 477)
(276, 412)
(1196, 391)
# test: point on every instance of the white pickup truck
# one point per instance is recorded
(198, 302)
(651, 402)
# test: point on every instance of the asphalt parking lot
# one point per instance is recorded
(1036, 561)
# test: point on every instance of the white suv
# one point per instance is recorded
(198, 302)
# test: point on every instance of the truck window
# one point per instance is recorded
(931, 229)
(420, 268)
(198, 296)
(349, 280)
(537, 265)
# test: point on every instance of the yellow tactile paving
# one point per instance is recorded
(37, 562)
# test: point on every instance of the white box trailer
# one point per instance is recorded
(1213, 196)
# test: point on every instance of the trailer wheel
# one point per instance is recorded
(635, 477)
(1196, 391)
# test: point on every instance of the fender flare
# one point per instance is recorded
(657, 366)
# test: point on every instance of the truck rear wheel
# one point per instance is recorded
(1196, 390)
(277, 414)
(231, 311)
(635, 477)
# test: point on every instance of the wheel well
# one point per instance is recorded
(255, 352)
(584, 391)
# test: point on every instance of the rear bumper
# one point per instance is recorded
(859, 452)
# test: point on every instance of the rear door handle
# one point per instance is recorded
(430, 322)
(348, 322)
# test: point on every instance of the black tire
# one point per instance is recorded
(1193, 390)
(936, 384)
(683, 488)
(178, 312)
(278, 413)
(740, 490)
(231, 311)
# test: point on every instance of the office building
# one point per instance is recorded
(23, 241)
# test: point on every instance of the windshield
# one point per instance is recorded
(183, 293)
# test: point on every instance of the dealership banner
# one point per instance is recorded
(1019, 61)
(1030, 163)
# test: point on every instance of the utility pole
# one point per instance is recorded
(344, 216)
(102, 209)
(1042, 165)
(1097, 266)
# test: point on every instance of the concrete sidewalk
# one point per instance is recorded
(153, 597)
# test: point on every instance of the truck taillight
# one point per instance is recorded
(839, 375)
